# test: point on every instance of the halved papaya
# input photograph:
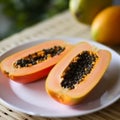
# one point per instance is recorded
(77, 73)
(34, 63)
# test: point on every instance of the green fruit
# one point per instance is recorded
(86, 10)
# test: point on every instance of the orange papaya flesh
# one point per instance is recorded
(35, 62)
(66, 94)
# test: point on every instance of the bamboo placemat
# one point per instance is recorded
(62, 25)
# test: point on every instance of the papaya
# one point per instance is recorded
(86, 10)
(35, 62)
(77, 73)
(105, 27)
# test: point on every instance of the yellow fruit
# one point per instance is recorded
(86, 10)
(106, 26)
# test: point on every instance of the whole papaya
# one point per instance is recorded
(106, 26)
(86, 10)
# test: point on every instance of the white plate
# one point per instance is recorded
(33, 99)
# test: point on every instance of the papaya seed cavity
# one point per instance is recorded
(39, 56)
(80, 66)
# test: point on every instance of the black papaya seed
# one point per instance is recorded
(39, 56)
(80, 66)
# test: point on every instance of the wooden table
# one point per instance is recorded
(62, 25)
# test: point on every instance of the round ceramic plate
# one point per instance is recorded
(33, 99)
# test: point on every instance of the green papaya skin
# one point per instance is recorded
(86, 10)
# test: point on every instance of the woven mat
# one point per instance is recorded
(62, 25)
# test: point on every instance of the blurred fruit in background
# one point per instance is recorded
(86, 10)
(102, 16)
(106, 26)
(16, 15)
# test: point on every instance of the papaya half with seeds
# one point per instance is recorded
(74, 76)
(35, 62)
